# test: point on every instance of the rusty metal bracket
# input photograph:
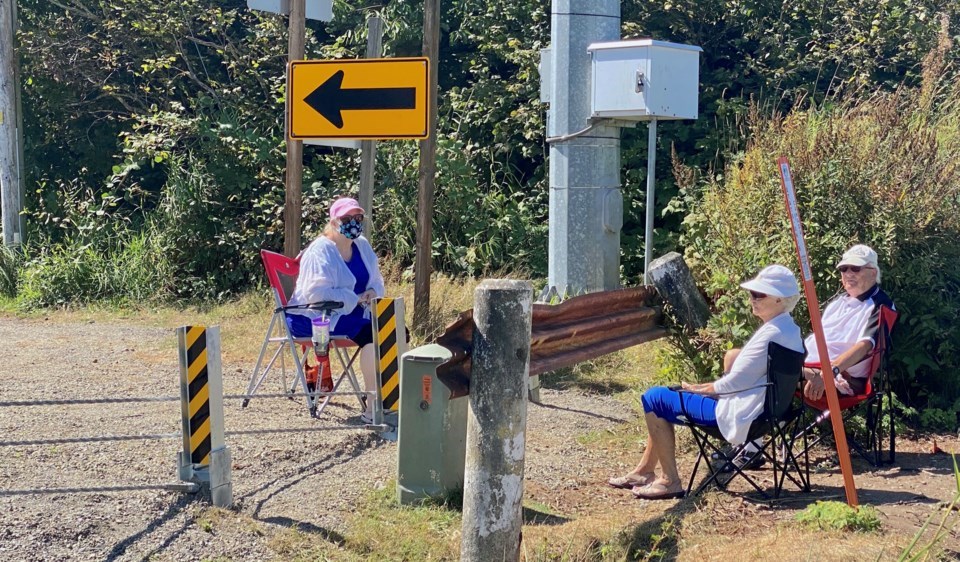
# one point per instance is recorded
(577, 330)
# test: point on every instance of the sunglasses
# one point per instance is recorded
(348, 218)
(852, 268)
(757, 296)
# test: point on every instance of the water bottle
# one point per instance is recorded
(321, 335)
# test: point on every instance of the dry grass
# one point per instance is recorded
(243, 321)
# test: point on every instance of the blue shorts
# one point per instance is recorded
(301, 327)
(665, 404)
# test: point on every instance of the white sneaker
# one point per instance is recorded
(367, 418)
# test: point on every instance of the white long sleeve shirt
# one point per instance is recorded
(324, 276)
(735, 412)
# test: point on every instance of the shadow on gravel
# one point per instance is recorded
(534, 517)
(872, 496)
(325, 534)
(175, 508)
(657, 538)
(584, 412)
(909, 464)
(362, 444)
(567, 377)
(331, 459)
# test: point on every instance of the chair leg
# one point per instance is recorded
(701, 442)
(876, 441)
(802, 480)
(257, 378)
(301, 378)
(893, 429)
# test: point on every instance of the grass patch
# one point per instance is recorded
(297, 545)
(10, 263)
(625, 374)
(383, 529)
(838, 516)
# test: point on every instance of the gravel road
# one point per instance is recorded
(311, 480)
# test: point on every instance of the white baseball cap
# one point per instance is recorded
(860, 255)
(773, 280)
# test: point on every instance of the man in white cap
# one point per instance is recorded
(850, 325)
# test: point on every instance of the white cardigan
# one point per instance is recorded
(324, 276)
(735, 412)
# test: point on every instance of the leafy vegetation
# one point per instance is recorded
(880, 171)
(154, 150)
(838, 516)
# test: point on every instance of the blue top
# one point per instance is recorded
(349, 324)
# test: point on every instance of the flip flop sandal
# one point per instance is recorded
(627, 482)
(657, 492)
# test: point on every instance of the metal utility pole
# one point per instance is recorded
(368, 148)
(586, 205)
(11, 190)
(294, 181)
(423, 266)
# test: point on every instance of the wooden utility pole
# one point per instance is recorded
(294, 182)
(11, 192)
(428, 171)
(368, 148)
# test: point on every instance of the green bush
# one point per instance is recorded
(128, 266)
(838, 516)
(9, 271)
(937, 419)
(881, 172)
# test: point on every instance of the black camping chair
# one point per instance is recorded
(775, 426)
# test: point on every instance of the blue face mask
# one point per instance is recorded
(351, 229)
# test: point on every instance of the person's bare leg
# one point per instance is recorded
(663, 444)
(368, 368)
(644, 472)
(729, 357)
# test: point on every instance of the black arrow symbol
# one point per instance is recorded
(329, 99)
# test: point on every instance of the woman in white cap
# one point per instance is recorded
(773, 294)
(340, 265)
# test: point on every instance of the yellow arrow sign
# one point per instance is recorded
(358, 99)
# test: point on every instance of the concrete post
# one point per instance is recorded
(673, 280)
(496, 423)
(586, 206)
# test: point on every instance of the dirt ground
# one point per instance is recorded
(313, 480)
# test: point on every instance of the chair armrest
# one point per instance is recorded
(325, 306)
(680, 390)
(683, 406)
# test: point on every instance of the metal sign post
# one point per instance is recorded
(833, 401)
(651, 186)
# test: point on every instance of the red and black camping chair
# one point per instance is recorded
(872, 443)
(282, 275)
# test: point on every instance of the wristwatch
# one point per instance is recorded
(836, 371)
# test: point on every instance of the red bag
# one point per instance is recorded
(326, 378)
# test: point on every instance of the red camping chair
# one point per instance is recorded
(870, 403)
(282, 274)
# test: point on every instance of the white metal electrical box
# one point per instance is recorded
(645, 79)
(321, 10)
